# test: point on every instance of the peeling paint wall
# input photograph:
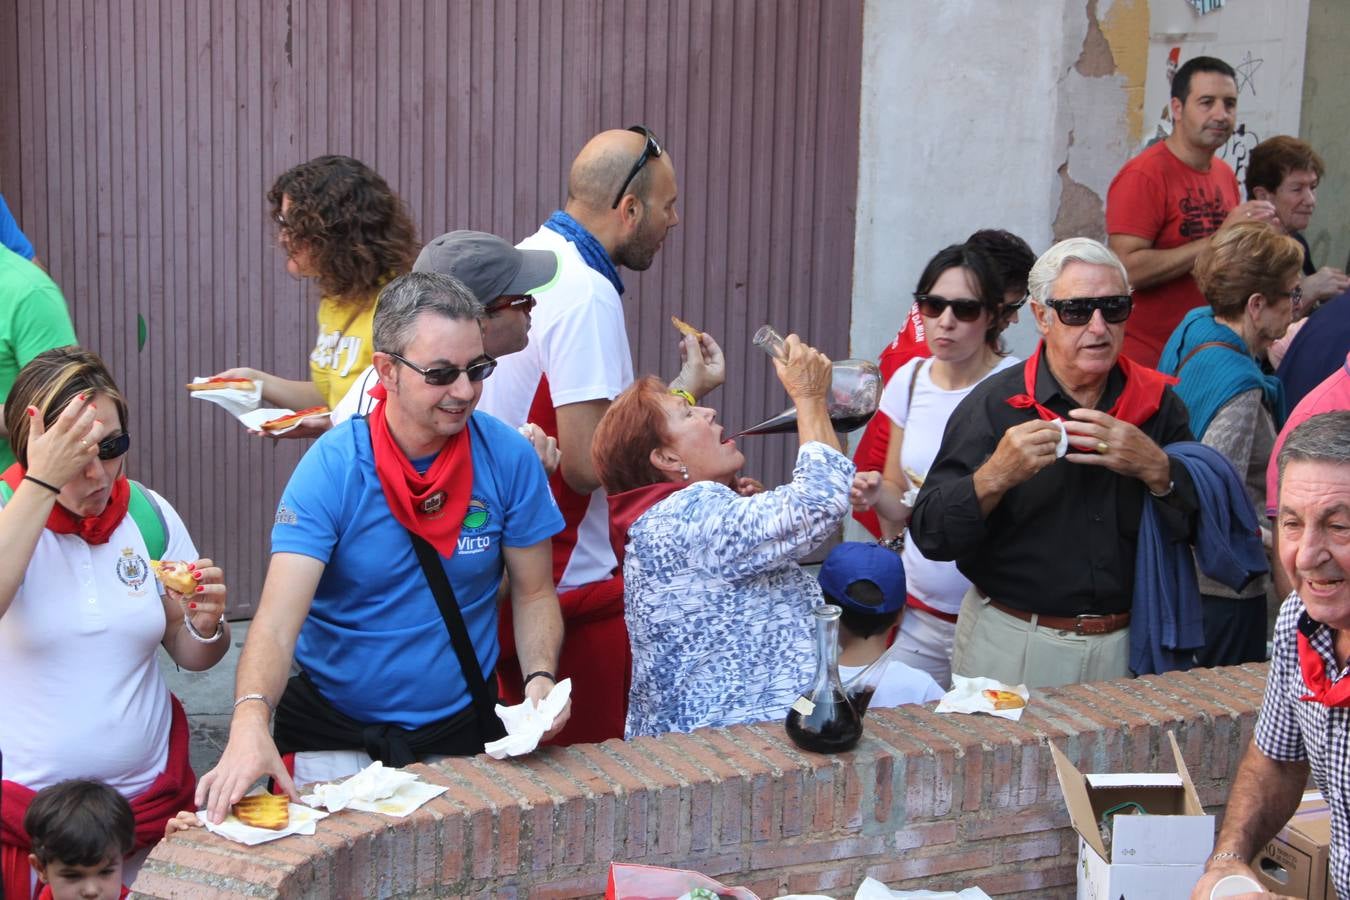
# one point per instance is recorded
(1018, 115)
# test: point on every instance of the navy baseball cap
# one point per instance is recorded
(853, 562)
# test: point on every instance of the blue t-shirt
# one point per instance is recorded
(11, 235)
(374, 642)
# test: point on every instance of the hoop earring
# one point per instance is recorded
(684, 472)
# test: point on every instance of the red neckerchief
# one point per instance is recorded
(1323, 689)
(92, 529)
(626, 506)
(1138, 401)
(433, 505)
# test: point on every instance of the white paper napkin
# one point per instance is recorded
(871, 889)
(525, 723)
(967, 696)
(371, 785)
(232, 400)
(1063, 446)
(302, 819)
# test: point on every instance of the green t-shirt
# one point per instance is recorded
(33, 318)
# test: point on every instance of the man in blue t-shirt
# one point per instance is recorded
(345, 593)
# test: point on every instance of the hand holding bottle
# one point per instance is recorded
(805, 372)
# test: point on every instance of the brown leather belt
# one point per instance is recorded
(1077, 624)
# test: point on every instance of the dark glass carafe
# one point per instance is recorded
(821, 719)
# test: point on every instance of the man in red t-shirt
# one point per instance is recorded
(1164, 204)
(1013, 259)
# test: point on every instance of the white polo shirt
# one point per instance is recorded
(83, 694)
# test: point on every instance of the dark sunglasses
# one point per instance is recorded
(113, 447)
(497, 306)
(1078, 310)
(1295, 296)
(1015, 305)
(931, 307)
(476, 371)
(650, 150)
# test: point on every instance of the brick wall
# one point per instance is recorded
(925, 801)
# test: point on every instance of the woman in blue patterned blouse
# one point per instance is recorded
(718, 611)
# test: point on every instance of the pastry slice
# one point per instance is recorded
(270, 811)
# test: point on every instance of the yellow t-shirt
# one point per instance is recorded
(343, 350)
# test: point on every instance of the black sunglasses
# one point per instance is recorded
(440, 377)
(1078, 310)
(497, 306)
(931, 307)
(113, 447)
(650, 150)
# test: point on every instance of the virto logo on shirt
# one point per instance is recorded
(476, 518)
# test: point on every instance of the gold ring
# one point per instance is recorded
(1103, 446)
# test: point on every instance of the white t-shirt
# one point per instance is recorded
(578, 342)
(357, 401)
(937, 584)
(900, 684)
(84, 696)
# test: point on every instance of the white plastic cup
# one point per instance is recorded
(1233, 886)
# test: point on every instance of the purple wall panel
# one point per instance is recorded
(138, 139)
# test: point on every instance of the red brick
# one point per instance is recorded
(1043, 845)
(1044, 817)
(729, 789)
(825, 878)
(921, 866)
(698, 838)
(819, 851)
(631, 836)
(588, 885)
(929, 835)
(188, 884)
(1028, 879)
(668, 794)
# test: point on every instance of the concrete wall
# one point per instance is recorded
(1018, 114)
(1326, 110)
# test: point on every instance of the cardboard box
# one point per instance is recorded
(1295, 862)
(1160, 854)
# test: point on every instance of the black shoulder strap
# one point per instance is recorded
(484, 703)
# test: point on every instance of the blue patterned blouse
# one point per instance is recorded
(718, 611)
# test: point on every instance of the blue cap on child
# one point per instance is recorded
(850, 562)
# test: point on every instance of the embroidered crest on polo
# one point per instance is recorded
(476, 516)
(432, 505)
(132, 569)
(285, 516)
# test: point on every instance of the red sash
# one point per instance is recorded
(171, 792)
(626, 507)
(433, 505)
(1315, 678)
(1136, 404)
(93, 529)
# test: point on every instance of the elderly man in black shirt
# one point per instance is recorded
(1048, 537)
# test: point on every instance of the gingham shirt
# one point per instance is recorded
(1293, 730)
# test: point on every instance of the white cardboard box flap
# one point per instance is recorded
(1176, 827)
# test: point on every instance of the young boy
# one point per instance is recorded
(80, 829)
(867, 582)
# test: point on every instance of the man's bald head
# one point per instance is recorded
(602, 165)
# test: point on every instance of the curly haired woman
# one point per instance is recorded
(341, 226)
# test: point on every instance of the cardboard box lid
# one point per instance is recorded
(1136, 837)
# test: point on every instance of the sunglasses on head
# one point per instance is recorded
(1078, 310)
(931, 306)
(113, 447)
(502, 304)
(650, 150)
(439, 377)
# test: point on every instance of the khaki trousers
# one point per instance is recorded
(992, 643)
